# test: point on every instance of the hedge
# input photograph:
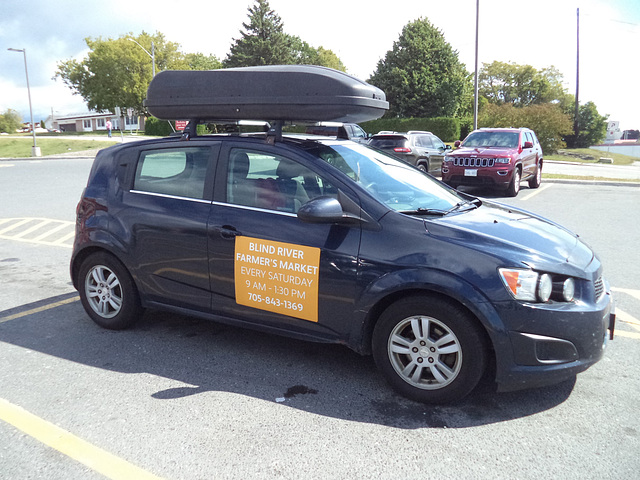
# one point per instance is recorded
(160, 128)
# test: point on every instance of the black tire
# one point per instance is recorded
(429, 349)
(108, 293)
(514, 186)
(422, 166)
(536, 180)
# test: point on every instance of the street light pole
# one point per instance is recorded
(35, 150)
(152, 54)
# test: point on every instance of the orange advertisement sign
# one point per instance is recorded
(277, 277)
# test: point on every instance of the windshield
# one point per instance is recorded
(391, 181)
(492, 139)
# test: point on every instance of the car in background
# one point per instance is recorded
(496, 157)
(421, 149)
(346, 131)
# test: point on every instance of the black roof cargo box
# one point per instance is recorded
(302, 93)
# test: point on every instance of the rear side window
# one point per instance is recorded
(177, 172)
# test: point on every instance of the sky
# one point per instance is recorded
(541, 33)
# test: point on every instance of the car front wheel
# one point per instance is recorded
(429, 349)
(108, 293)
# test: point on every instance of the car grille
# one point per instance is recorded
(473, 162)
(599, 288)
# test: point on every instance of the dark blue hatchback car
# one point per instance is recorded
(332, 241)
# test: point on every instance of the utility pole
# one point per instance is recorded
(475, 83)
(576, 125)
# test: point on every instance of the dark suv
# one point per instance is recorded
(422, 149)
(496, 157)
(328, 240)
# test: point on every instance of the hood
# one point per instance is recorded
(521, 236)
(482, 152)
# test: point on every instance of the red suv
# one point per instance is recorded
(495, 157)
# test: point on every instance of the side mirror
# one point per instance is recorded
(456, 143)
(325, 210)
(528, 144)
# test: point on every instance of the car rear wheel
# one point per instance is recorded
(429, 349)
(423, 166)
(514, 186)
(108, 293)
(537, 178)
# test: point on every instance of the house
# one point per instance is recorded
(92, 122)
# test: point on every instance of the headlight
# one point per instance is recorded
(530, 286)
(503, 160)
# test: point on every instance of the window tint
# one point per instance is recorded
(178, 172)
(264, 180)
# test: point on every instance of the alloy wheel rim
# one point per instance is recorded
(103, 291)
(425, 353)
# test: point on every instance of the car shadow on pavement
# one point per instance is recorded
(323, 379)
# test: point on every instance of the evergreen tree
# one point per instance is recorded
(422, 75)
(263, 41)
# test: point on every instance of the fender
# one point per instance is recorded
(394, 285)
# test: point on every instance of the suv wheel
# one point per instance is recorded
(514, 186)
(423, 166)
(537, 179)
(108, 293)
(429, 349)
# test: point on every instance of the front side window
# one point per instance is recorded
(273, 182)
(177, 172)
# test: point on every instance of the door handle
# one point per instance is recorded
(228, 232)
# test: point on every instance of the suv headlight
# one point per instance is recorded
(530, 286)
(505, 160)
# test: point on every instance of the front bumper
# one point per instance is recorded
(496, 176)
(551, 344)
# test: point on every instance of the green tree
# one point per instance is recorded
(264, 42)
(591, 125)
(10, 121)
(200, 61)
(548, 120)
(118, 72)
(520, 85)
(422, 75)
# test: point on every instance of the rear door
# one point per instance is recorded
(161, 221)
(267, 267)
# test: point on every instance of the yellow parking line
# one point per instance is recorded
(39, 309)
(623, 333)
(537, 191)
(628, 319)
(628, 291)
(68, 444)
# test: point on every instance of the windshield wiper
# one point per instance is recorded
(475, 203)
(425, 211)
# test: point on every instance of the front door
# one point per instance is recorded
(268, 267)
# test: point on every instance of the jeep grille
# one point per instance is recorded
(473, 162)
